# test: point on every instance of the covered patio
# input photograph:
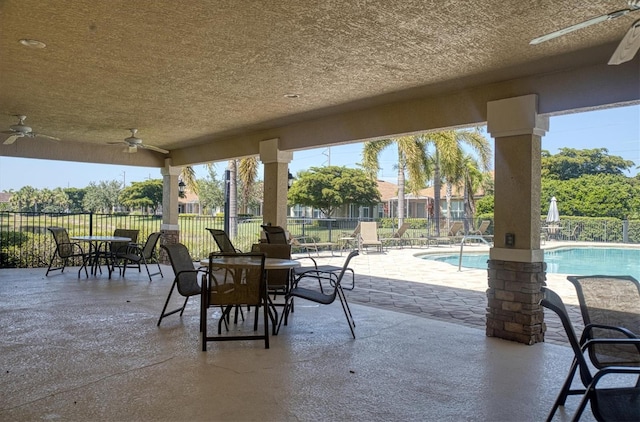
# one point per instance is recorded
(89, 349)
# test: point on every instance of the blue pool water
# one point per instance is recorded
(577, 261)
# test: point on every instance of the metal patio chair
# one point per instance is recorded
(320, 296)
(65, 250)
(240, 284)
(137, 255)
(608, 402)
(610, 308)
(186, 277)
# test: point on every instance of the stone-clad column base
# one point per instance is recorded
(170, 236)
(513, 312)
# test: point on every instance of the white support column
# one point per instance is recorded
(516, 269)
(170, 229)
(517, 129)
(276, 170)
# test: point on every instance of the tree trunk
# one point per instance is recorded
(233, 199)
(436, 192)
(401, 180)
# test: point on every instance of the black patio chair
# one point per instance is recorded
(608, 402)
(136, 254)
(319, 295)
(275, 234)
(65, 250)
(610, 308)
(241, 284)
(222, 240)
(186, 277)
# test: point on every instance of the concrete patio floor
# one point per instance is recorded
(89, 349)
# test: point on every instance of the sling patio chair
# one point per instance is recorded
(66, 250)
(110, 252)
(309, 244)
(369, 236)
(222, 240)
(275, 234)
(324, 296)
(616, 398)
(396, 238)
(610, 308)
(185, 277)
(278, 281)
(349, 240)
(453, 233)
(243, 283)
(136, 254)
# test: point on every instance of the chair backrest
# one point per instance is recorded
(150, 245)
(222, 240)
(553, 302)
(275, 278)
(484, 226)
(356, 231)
(183, 268)
(242, 284)
(454, 228)
(403, 228)
(369, 230)
(63, 244)
(275, 234)
(612, 301)
(130, 233)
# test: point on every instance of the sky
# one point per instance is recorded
(617, 129)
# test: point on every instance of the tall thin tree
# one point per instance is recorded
(412, 158)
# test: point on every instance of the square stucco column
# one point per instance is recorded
(516, 270)
(169, 228)
(276, 170)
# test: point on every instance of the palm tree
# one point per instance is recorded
(247, 175)
(412, 157)
(471, 179)
(188, 176)
(245, 171)
(447, 158)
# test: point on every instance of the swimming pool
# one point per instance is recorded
(578, 261)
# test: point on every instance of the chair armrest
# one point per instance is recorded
(588, 328)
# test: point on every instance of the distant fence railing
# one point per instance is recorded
(25, 241)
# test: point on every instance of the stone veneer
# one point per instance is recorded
(169, 237)
(513, 312)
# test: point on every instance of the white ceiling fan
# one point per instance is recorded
(133, 143)
(629, 45)
(21, 130)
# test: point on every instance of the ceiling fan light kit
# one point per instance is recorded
(629, 44)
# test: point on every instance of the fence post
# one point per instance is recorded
(625, 231)
(91, 224)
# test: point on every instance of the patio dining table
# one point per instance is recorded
(97, 248)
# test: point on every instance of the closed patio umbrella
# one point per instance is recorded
(553, 217)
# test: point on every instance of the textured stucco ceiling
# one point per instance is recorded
(196, 72)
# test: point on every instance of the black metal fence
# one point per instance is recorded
(25, 241)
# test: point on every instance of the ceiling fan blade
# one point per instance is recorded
(40, 135)
(11, 139)
(571, 28)
(152, 148)
(634, 6)
(629, 45)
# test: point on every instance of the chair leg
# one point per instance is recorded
(186, 299)
(565, 391)
(166, 303)
(347, 311)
